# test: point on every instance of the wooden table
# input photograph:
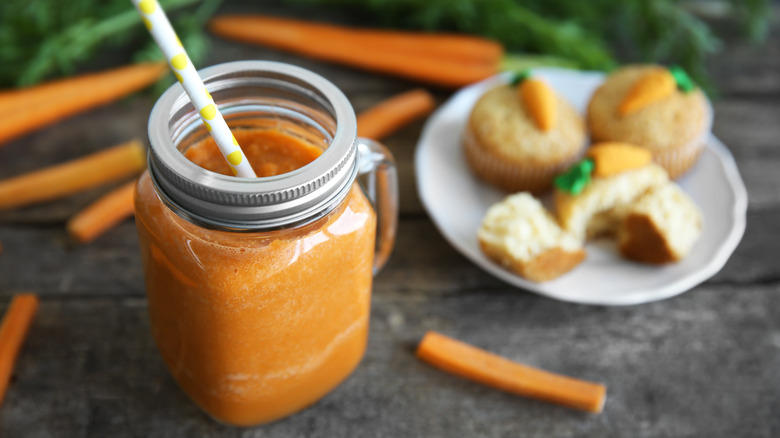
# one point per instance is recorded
(705, 363)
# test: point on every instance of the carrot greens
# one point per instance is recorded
(593, 34)
(43, 39)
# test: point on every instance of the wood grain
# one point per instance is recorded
(704, 363)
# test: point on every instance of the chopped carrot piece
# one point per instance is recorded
(103, 214)
(13, 330)
(390, 115)
(475, 364)
(74, 176)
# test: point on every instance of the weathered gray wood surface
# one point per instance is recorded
(705, 363)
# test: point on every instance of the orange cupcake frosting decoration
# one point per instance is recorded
(539, 101)
(653, 86)
(612, 158)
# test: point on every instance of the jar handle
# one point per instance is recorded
(378, 178)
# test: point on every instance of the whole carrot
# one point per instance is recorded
(63, 179)
(13, 330)
(363, 49)
(103, 214)
(388, 116)
(472, 363)
(25, 110)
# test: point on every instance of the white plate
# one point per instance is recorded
(457, 201)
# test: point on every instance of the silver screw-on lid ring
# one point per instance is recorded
(254, 203)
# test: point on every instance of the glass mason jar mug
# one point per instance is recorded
(259, 289)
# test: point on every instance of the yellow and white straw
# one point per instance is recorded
(157, 22)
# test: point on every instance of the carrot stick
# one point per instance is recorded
(390, 115)
(25, 110)
(103, 214)
(475, 364)
(13, 330)
(464, 48)
(64, 179)
(356, 49)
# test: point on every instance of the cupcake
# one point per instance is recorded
(594, 195)
(654, 107)
(520, 135)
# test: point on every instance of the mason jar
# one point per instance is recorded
(259, 288)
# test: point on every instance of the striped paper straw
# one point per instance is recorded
(157, 22)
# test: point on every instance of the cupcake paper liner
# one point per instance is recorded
(680, 160)
(507, 175)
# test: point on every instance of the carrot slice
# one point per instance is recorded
(475, 364)
(362, 49)
(103, 214)
(22, 111)
(74, 176)
(13, 330)
(390, 115)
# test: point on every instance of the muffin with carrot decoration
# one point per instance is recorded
(616, 190)
(657, 108)
(593, 196)
(520, 135)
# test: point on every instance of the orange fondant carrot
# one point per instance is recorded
(472, 363)
(25, 110)
(612, 158)
(653, 86)
(438, 59)
(388, 116)
(540, 103)
(13, 330)
(64, 179)
(103, 214)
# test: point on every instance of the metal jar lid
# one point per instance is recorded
(211, 199)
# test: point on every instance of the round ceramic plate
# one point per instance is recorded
(457, 201)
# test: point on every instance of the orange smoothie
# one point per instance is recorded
(257, 325)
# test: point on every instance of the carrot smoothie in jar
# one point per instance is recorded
(259, 289)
